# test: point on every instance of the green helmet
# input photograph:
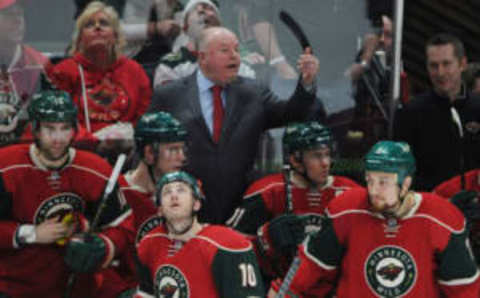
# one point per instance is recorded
(391, 157)
(52, 106)
(159, 127)
(179, 176)
(304, 136)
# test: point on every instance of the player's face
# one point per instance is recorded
(317, 164)
(178, 202)
(97, 33)
(221, 60)
(171, 158)
(12, 24)
(54, 139)
(445, 69)
(383, 191)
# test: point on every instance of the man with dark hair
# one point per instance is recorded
(278, 210)
(438, 124)
(48, 191)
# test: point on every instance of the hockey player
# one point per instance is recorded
(463, 192)
(185, 258)
(271, 204)
(47, 191)
(161, 143)
(387, 240)
(161, 147)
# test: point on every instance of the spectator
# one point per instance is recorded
(110, 90)
(63, 193)
(20, 68)
(440, 125)
(257, 36)
(191, 259)
(370, 76)
(367, 242)
(223, 147)
(148, 25)
(197, 15)
(272, 205)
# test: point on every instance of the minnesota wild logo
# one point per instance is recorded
(390, 271)
(171, 283)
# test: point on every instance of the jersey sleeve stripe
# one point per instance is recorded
(440, 223)
(461, 281)
(245, 249)
(119, 219)
(419, 215)
(90, 171)
(264, 189)
(314, 259)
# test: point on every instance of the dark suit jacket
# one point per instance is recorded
(250, 109)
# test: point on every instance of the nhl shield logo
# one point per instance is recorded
(390, 271)
(171, 283)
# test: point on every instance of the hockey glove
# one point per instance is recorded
(467, 202)
(282, 234)
(85, 253)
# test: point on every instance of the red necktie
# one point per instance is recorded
(217, 112)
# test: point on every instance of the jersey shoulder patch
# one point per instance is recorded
(224, 238)
(440, 211)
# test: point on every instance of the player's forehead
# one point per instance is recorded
(175, 185)
(379, 175)
(56, 125)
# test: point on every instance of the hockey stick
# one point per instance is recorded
(296, 260)
(103, 203)
(302, 39)
(295, 28)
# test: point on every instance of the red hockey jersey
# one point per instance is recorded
(30, 194)
(265, 199)
(217, 262)
(424, 254)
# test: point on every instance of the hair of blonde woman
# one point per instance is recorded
(88, 12)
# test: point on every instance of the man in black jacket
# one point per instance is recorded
(441, 125)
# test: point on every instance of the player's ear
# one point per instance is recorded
(149, 154)
(296, 163)
(197, 205)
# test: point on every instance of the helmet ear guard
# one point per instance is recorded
(182, 177)
(391, 157)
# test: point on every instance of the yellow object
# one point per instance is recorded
(67, 220)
